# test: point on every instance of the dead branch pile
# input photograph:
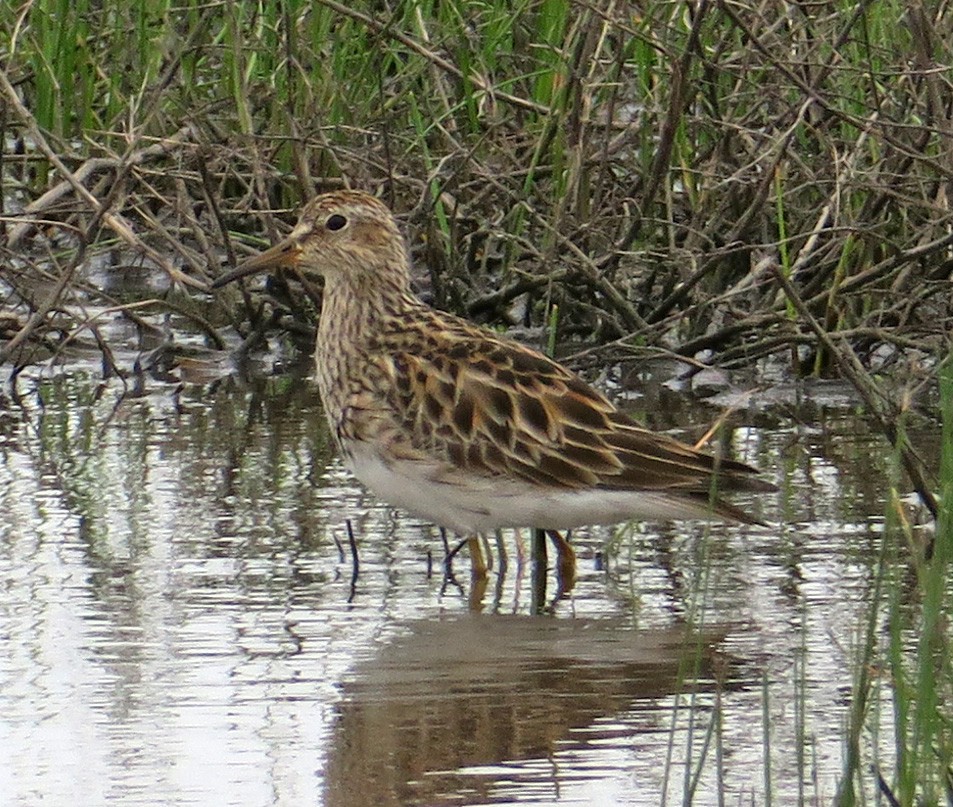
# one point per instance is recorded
(675, 166)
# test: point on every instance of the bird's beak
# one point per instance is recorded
(284, 253)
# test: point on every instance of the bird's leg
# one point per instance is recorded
(478, 567)
(478, 586)
(565, 560)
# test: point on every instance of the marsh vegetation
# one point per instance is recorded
(758, 188)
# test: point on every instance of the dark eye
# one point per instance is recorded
(335, 222)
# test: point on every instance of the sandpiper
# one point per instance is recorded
(461, 426)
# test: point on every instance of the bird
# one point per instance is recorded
(463, 427)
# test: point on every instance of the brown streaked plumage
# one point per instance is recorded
(463, 427)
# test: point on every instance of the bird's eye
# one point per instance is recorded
(335, 222)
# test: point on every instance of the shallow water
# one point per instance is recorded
(179, 623)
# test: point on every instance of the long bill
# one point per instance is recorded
(284, 253)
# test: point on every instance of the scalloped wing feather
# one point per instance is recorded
(496, 408)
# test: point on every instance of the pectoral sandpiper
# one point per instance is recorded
(461, 426)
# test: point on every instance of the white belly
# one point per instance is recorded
(474, 504)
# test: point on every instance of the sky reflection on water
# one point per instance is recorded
(178, 627)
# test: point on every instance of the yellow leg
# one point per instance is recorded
(478, 567)
(565, 561)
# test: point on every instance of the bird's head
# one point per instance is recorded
(344, 235)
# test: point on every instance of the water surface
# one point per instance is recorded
(179, 624)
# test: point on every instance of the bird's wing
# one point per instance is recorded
(495, 407)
